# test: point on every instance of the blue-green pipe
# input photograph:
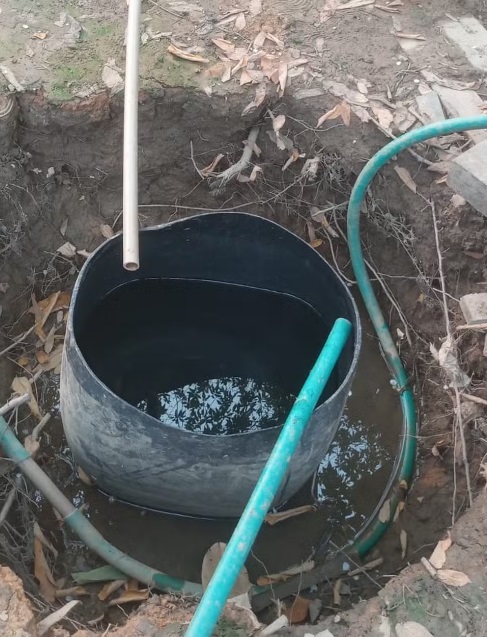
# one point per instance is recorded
(252, 518)
(405, 463)
(78, 523)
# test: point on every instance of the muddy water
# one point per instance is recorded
(346, 490)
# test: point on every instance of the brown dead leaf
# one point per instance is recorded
(38, 533)
(453, 578)
(47, 583)
(278, 122)
(241, 64)
(21, 385)
(109, 588)
(405, 176)
(385, 512)
(340, 110)
(337, 598)
(438, 557)
(210, 561)
(68, 250)
(260, 93)
(294, 156)
(106, 231)
(130, 596)
(184, 55)
(210, 169)
(259, 40)
(388, 9)
(43, 314)
(245, 78)
(49, 342)
(243, 179)
(54, 361)
(328, 10)
(275, 518)
(273, 38)
(40, 35)
(383, 116)
(84, 477)
(227, 73)
(240, 22)
(408, 36)
(403, 539)
(297, 610)
(62, 302)
(23, 361)
(42, 357)
(282, 76)
(224, 45)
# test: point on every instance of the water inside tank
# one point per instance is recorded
(207, 357)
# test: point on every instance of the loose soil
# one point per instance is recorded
(60, 180)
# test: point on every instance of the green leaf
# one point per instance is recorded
(102, 574)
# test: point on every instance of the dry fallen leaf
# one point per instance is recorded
(47, 583)
(38, 533)
(405, 176)
(259, 40)
(224, 45)
(438, 557)
(260, 93)
(191, 57)
(385, 512)
(109, 588)
(340, 110)
(54, 360)
(337, 598)
(282, 77)
(243, 179)
(278, 122)
(453, 578)
(210, 562)
(240, 22)
(40, 35)
(130, 596)
(328, 10)
(245, 78)
(297, 610)
(42, 357)
(49, 342)
(23, 361)
(84, 477)
(21, 385)
(106, 231)
(241, 64)
(67, 250)
(275, 518)
(383, 116)
(74, 591)
(210, 169)
(63, 300)
(403, 539)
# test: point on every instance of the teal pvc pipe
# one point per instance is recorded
(408, 449)
(243, 537)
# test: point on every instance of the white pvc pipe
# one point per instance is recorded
(130, 138)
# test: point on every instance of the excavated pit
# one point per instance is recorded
(60, 181)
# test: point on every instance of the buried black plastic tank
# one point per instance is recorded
(224, 304)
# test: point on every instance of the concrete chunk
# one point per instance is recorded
(429, 107)
(474, 308)
(468, 176)
(471, 37)
(462, 104)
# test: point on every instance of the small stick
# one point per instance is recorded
(10, 498)
(49, 621)
(366, 567)
(14, 403)
(429, 567)
(474, 399)
(230, 173)
(473, 326)
(18, 340)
